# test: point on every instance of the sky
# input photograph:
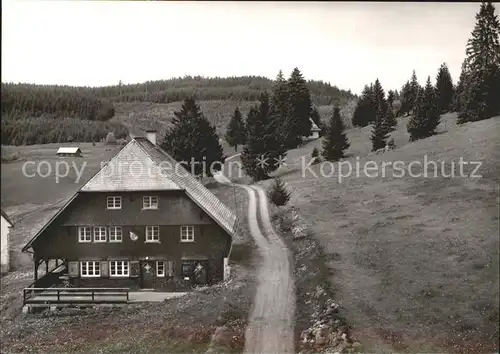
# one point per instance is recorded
(96, 43)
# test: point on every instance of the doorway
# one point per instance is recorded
(147, 274)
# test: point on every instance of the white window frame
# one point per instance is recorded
(113, 202)
(99, 231)
(187, 233)
(92, 269)
(150, 234)
(124, 269)
(164, 265)
(85, 234)
(150, 202)
(115, 234)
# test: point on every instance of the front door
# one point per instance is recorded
(147, 274)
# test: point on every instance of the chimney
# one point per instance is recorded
(151, 136)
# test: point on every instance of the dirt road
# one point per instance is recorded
(270, 328)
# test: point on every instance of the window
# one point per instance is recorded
(160, 268)
(152, 234)
(115, 234)
(114, 202)
(119, 268)
(187, 233)
(99, 234)
(150, 202)
(84, 234)
(90, 269)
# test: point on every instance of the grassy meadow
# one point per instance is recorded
(414, 259)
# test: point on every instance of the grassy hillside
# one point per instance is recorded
(414, 259)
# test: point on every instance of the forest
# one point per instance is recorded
(38, 114)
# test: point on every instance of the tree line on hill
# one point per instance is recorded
(32, 112)
(240, 88)
(475, 97)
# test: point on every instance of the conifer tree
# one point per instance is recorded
(298, 123)
(444, 88)
(262, 149)
(379, 131)
(280, 103)
(426, 115)
(364, 113)
(278, 194)
(390, 99)
(390, 121)
(379, 95)
(461, 90)
(236, 132)
(480, 96)
(414, 89)
(193, 141)
(335, 140)
(406, 99)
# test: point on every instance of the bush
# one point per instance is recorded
(391, 144)
(315, 155)
(110, 139)
(278, 193)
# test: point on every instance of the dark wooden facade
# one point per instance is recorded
(60, 240)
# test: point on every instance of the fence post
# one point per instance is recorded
(58, 295)
(93, 298)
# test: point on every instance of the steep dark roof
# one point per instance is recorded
(143, 166)
(6, 217)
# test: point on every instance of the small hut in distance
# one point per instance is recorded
(69, 152)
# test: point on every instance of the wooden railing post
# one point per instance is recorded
(93, 297)
(58, 295)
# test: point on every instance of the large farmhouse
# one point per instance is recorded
(142, 222)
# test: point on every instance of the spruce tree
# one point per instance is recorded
(480, 97)
(278, 194)
(379, 95)
(460, 92)
(390, 121)
(414, 89)
(335, 140)
(298, 123)
(364, 113)
(417, 125)
(280, 103)
(193, 141)
(236, 132)
(406, 99)
(379, 131)
(426, 116)
(444, 88)
(262, 149)
(390, 99)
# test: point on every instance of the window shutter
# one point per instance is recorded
(170, 269)
(104, 269)
(73, 269)
(134, 268)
